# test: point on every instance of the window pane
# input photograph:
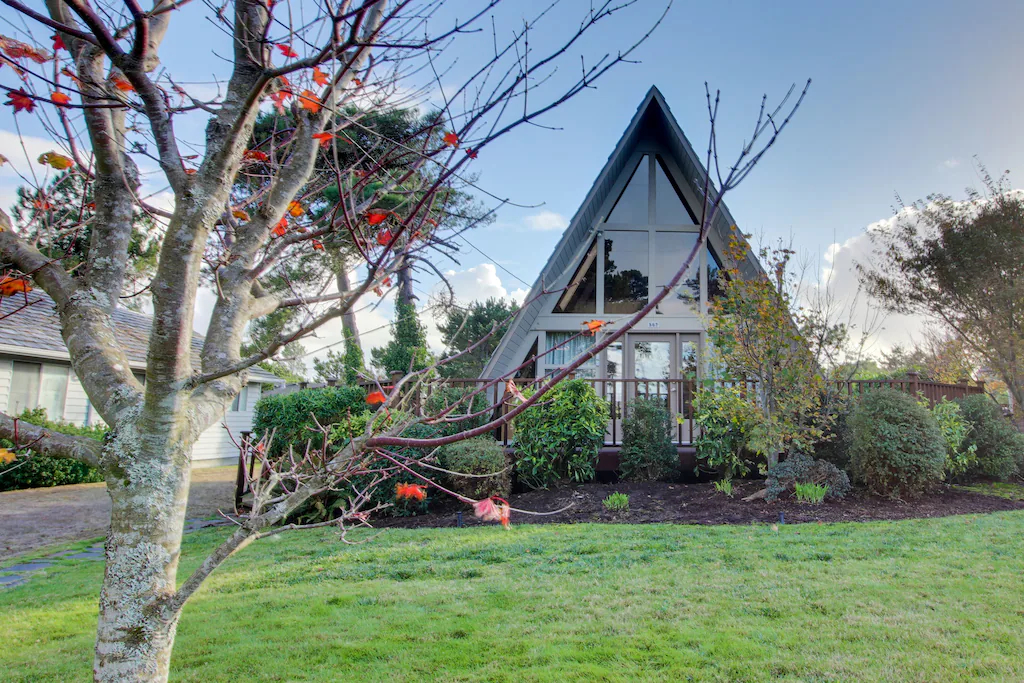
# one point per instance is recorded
(24, 388)
(581, 294)
(632, 204)
(614, 368)
(565, 354)
(625, 271)
(651, 359)
(669, 208)
(688, 359)
(670, 250)
(52, 391)
(716, 276)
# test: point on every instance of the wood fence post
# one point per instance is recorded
(914, 378)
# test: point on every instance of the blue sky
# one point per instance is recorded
(905, 94)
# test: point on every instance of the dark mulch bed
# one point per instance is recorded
(700, 503)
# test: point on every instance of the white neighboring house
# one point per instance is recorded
(35, 372)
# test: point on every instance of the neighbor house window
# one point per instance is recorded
(241, 401)
(38, 385)
(568, 349)
(626, 267)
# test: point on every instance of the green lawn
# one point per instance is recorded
(926, 600)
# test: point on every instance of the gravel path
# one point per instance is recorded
(35, 518)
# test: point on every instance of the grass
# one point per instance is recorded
(1001, 489)
(917, 600)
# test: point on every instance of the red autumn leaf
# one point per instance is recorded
(60, 99)
(358, 82)
(287, 51)
(42, 205)
(309, 100)
(281, 227)
(20, 100)
(255, 155)
(190, 171)
(122, 84)
(319, 77)
(376, 398)
(12, 285)
(486, 510)
(358, 173)
(15, 49)
(471, 153)
(378, 291)
(324, 139)
(58, 42)
(91, 206)
(317, 245)
(384, 237)
(411, 491)
(295, 209)
(514, 390)
(386, 281)
(451, 139)
(506, 515)
(431, 221)
(594, 325)
(376, 217)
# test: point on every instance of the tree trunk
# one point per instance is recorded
(135, 633)
(348, 318)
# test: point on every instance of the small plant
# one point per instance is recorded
(725, 423)
(616, 502)
(724, 486)
(648, 453)
(803, 469)
(809, 492)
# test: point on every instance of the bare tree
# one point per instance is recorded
(352, 55)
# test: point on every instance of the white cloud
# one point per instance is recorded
(545, 221)
(950, 163)
(21, 163)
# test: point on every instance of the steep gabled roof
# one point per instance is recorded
(653, 121)
(35, 331)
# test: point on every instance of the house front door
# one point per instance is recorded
(664, 367)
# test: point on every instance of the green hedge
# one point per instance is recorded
(36, 470)
(1000, 447)
(482, 455)
(290, 416)
(648, 453)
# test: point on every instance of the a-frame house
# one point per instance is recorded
(638, 222)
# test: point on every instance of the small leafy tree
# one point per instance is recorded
(463, 328)
(961, 454)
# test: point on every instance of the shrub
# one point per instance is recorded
(482, 455)
(810, 492)
(1000, 447)
(835, 447)
(725, 423)
(961, 455)
(558, 438)
(291, 416)
(616, 502)
(802, 469)
(648, 453)
(447, 396)
(35, 470)
(898, 449)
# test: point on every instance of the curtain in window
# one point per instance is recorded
(564, 355)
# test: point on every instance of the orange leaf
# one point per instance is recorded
(42, 205)
(60, 99)
(240, 215)
(451, 139)
(12, 285)
(122, 84)
(287, 51)
(386, 281)
(324, 139)
(190, 171)
(295, 209)
(411, 491)
(376, 398)
(20, 100)
(384, 237)
(594, 325)
(486, 510)
(358, 82)
(514, 390)
(317, 245)
(309, 100)
(319, 77)
(281, 227)
(255, 155)
(15, 49)
(378, 291)
(376, 217)
(57, 161)
(6, 456)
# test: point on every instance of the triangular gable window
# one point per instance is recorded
(669, 207)
(580, 296)
(632, 204)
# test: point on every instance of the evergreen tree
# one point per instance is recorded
(407, 349)
(463, 327)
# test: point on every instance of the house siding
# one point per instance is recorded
(6, 369)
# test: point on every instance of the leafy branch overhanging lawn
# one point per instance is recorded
(915, 600)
